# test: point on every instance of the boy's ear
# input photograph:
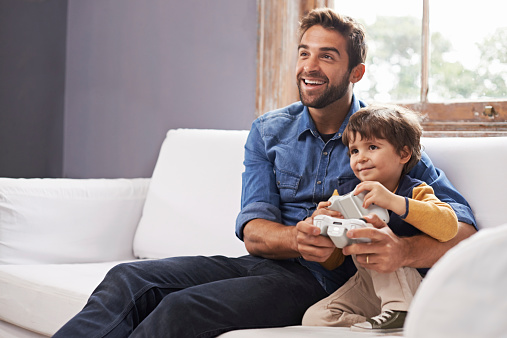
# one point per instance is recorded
(405, 155)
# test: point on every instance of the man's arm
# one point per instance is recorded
(277, 241)
(424, 251)
(388, 252)
(270, 239)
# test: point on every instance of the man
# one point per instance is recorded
(288, 170)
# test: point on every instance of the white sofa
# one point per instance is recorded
(58, 237)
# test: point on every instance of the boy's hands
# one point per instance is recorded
(379, 195)
(322, 209)
(385, 252)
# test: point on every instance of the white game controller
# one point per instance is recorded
(351, 206)
(336, 229)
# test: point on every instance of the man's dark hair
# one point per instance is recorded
(352, 30)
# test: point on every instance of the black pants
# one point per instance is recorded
(195, 297)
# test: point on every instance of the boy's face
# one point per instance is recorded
(376, 160)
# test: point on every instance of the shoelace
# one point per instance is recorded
(383, 317)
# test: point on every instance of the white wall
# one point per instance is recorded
(135, 69)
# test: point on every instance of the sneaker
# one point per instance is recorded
(387, 321)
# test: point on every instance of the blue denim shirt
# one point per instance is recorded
(289, 169)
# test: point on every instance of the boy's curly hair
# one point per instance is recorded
(397, 125)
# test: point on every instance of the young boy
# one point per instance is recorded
(384, 145)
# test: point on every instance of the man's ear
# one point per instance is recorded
(357, 73)
(405, 155)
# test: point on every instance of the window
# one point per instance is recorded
(448, 63)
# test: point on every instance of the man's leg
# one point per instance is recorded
(130, 292)
(271, 294)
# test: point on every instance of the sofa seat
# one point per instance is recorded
(59, 237)
(63, 287)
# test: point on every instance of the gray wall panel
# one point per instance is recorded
(89, 88)
(32, 75)
(138, 68)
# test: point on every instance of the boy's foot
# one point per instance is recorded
(387, 321)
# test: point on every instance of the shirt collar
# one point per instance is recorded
(306, 123)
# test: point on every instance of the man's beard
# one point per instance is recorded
(330, 95)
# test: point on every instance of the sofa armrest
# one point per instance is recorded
(69, 220)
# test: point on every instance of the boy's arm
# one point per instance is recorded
(430, 215)
(423, 210)
(444, 190)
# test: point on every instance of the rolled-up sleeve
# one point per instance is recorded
(256, 210)
(260, 197)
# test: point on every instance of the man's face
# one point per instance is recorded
(322, 68)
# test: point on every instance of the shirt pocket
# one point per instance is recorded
(288, 184)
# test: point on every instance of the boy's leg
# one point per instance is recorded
(352, 303)
(396, 290)
(130, 292)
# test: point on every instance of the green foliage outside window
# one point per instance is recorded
(394, 65)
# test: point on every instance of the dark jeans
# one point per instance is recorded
(195, 297)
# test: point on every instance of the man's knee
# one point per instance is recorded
(124, 278)
(121, 272)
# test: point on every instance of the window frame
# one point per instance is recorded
(276, 87)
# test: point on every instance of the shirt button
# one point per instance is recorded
(324, 153)
(319, 182)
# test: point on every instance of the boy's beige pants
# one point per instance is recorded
(365, 295)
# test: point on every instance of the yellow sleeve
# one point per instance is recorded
(430, 215)
(335, 260)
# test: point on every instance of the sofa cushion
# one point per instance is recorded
(43, 297)
(476, 167)
(194, 196)
(68, 220)
(463, 294)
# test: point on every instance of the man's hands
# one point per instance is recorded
(385, 253)
(311, 245)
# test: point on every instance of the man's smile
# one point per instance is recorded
(313, 82)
